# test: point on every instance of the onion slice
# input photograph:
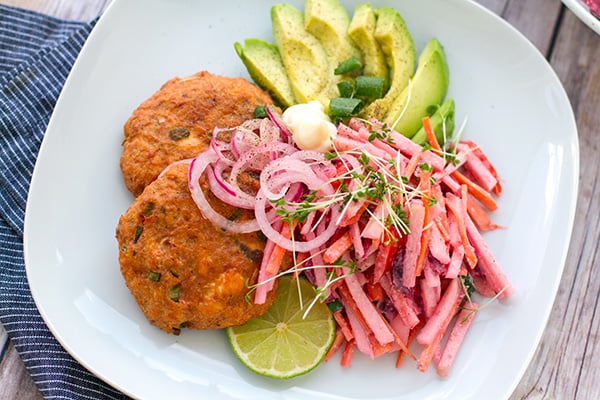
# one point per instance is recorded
(197, 168)
(278, 120)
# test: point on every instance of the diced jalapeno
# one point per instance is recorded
(179, 133)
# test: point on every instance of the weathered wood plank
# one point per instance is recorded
(14, 378)
(565, 365)
(496, 6)
(535, 19)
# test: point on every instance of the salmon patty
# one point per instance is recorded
(177, 122)
(182, 270)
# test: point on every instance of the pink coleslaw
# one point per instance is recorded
(390, 233)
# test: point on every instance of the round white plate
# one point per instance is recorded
(582, 11)
(517, 111)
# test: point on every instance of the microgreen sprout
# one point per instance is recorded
(408, 98)
(383, 133)
(468, 287)
(375, 183)
(466, 282)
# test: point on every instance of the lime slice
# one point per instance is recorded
(284, 342)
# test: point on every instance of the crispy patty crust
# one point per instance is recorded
(182, 270)
(177, 121)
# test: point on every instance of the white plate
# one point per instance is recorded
(582, 11)
(517, 111)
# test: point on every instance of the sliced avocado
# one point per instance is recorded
(362, 31)
(428, 87)
(303, 56)
(264, 64)
(328, 21)
(396, 42)
(442, 122)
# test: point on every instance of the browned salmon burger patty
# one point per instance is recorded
(177, 122)
(182, 270)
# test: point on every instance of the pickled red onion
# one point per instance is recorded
(197, 168)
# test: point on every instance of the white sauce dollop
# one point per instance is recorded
(311, 127)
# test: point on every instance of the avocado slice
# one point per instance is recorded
(442, 122)
(328, 21)
(303, 56)
(362, 31)
(264, 64)
(396, 42)
(428, 87)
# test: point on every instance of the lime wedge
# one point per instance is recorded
(284, 342)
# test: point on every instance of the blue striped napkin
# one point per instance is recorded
(36, 54)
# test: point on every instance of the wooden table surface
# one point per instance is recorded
(566, 364)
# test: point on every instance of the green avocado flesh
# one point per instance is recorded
(263, 63)
(362, 31)
(303, 56)
(427, 88)
(396, 42)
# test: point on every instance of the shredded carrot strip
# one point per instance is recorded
(411, 167)
(360, 331)
(454, 205)
(425, 185)
(429, 350)
(338, 341)
(424, 240)
(479, 216)
(378, 348)
(426, 356)
(480, 193)
(349, 301)
(438, 320)
(442, 228)
(343, 325)
(278, 252)
(481, 155)
(455, 339)
(401, 353)
(347, 354)
(469, 249)
(399, 342)
(337, 248)
(431, 138)
(383, 260)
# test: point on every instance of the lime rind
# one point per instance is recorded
(284, 342)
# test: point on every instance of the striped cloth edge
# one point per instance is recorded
(36, 55)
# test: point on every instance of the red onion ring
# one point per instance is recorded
(197, 168)
(277, 120)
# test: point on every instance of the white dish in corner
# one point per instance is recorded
(517, 112)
